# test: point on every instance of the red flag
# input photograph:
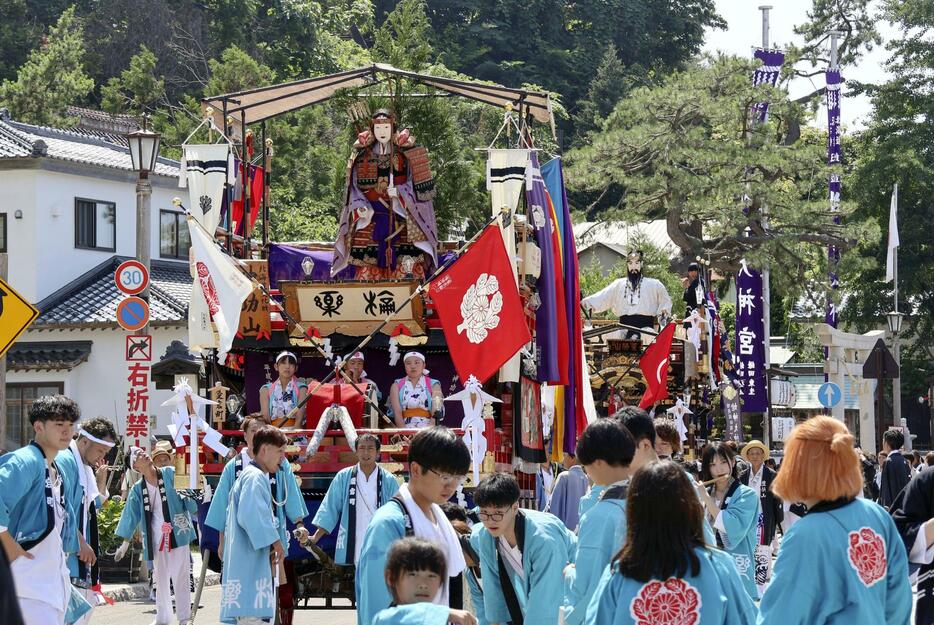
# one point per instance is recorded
(654, 365)
(479, 307)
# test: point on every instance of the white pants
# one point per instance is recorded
(174, 566)
(36, 612)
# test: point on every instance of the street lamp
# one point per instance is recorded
(144, 150)
(894, 320)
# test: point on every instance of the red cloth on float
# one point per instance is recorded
(329, 394)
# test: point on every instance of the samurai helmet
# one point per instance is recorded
(383, 115)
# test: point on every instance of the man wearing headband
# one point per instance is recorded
(96, 437)
(278, 398)
(39, 491)
(415, 401)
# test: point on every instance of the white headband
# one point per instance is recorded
(94, 439)
(418, 355)
(284, 355)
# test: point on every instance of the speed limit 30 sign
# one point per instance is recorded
(131, 277)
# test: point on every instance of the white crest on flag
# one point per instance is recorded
(219, 283)
(480, 308)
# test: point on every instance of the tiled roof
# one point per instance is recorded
(18, 140)
(91, 300)
(48, 356)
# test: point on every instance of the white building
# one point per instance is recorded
(67, 219)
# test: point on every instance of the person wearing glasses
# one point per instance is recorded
(438, 464)
(523, 554)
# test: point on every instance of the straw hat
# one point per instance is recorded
(754, 445)
(162, 447)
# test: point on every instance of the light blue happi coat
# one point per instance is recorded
(336, 507)
(251, 529)
(600, 536)
(286, 489)
(180, 513)
(569, 488)
(843, 563)
(739, 516)
(386, 527)
(715, 596)
(23, 509)
(473, 584)
(414, 614)
(589, 500)
(547, 546)
(68, 459)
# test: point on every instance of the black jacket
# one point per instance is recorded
(772, 512)
(912, 507)
(896, 473)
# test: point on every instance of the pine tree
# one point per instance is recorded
(52, 78)
(137, 90)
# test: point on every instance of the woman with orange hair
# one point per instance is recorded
(844, 562)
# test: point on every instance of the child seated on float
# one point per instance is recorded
(415, 568)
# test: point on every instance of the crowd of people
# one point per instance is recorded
(632, 533)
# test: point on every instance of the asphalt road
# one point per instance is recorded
(139, 612)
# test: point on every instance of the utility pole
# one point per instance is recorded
(766, 290)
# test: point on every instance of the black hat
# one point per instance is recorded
(693, 267)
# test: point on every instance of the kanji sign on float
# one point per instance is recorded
(15, 316)
(479, 307)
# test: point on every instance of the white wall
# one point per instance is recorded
(43, 256)
(100, 386)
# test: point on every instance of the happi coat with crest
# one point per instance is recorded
(251, 529)
(175, 510)
(340, 506)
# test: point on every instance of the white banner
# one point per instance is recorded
(205, 170)
(220, 284)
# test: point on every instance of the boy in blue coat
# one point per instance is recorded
(522, 556)
(96, 437)
(253, 544)
(605, 450)
(415, 569)
(438, 464)
(38, 528)
(353, 497)
(165, 521)
(293, 509)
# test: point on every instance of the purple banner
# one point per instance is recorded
(546, 316)
(751, 365)
(767, 73)
(834, 157)
(833, 116)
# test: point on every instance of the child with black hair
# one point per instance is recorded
(605, 450)
(522, 555)
(40, 491)
(438, 464)
(415, 570)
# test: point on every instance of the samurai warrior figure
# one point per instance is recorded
(387, 226)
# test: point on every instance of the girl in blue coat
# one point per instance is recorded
(665, 573)
(415, 569)
(844, 562)
(733, 510)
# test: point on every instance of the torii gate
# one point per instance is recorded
(846, 353)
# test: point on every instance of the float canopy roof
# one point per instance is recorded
(257, 105)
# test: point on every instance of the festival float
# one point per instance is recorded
(495, 320)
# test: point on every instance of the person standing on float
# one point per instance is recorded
(416, 400)
(277, 399)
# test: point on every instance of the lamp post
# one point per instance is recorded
(144, 150)
(894, 320)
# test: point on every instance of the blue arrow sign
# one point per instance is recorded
(829, 394)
